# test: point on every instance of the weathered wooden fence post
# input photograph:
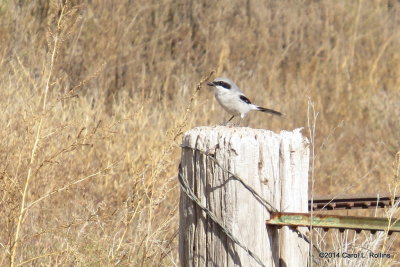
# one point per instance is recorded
(232, 178)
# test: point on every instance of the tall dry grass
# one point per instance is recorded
(94, 97)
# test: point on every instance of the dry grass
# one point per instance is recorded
(94, 97)
(363, 249)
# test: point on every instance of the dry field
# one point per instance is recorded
(96, 94)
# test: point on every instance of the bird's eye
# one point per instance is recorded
(224, 84)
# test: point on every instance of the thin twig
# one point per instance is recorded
(311, 122)
(65, 187)
(35, 146)
(41, 256)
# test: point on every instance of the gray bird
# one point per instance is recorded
(232, 99)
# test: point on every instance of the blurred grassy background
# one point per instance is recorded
(103, 187)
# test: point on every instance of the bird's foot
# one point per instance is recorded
(228, 124)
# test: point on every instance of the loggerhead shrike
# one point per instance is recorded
(233, 100)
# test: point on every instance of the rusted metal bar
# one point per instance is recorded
(352, 202)
(326, 222)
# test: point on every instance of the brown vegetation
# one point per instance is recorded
(95, 95)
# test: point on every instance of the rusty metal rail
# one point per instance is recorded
(327, 222)
(342, 223)
(352, 202)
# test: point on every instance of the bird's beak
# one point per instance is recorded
(210, 84)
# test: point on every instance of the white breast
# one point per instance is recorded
(231, 102)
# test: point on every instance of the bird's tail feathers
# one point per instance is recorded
(266, 110)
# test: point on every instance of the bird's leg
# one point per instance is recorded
(227, 122)
(231, 118)
(236, 122)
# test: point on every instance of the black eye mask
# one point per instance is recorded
(223, 84)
